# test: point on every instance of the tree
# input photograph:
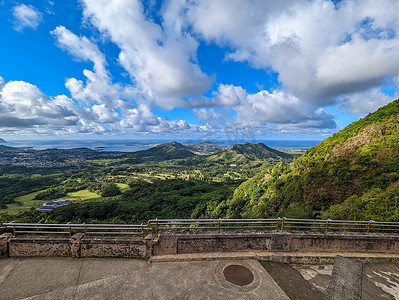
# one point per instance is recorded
(110, 190)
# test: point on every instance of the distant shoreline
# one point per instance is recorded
(126, 145)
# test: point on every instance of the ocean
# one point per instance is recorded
(137, 145)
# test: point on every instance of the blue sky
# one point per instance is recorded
(194, 69)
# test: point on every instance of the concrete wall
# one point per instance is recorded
(179, 243)
(165, 243)
(200, 242)
(76, 246)
(113, 247)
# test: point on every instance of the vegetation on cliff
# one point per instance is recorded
(353, 174)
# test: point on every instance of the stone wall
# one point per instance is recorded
(166, 243)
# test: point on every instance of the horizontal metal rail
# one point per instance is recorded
(70, 229)
(157, 225)
(279, 224)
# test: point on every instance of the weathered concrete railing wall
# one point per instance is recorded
(77, 245)
(180, 243)
(164, 243)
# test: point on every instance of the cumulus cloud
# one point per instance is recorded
(277, 107)
(24, 108)
(141, 119)
(98, 87)
(365, 102)
(26, 16)
(319, 48)
(161, 60)
(24, 105)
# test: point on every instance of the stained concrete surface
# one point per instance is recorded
(346, 279)
(65, 278)
(70, 278)
(291, 281)
(379, 280)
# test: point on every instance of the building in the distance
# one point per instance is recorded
(49, 206)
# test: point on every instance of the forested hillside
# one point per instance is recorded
(353, 174)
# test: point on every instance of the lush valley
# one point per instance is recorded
(353, 174)
(166, 181)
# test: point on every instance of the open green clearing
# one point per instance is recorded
(82, 195)
(24, 203)
(123, 186)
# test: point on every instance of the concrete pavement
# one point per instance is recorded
(68, 278)
(204, 278)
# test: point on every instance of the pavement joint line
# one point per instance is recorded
(9, 272)
(78, 279)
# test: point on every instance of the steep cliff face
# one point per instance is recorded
(353, 174)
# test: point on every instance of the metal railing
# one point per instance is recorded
(70, 229)
(157, 225)
(278, 224)
(213, 224)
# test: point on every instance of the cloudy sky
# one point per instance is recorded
(287, 69)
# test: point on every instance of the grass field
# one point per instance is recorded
(123, 186)
(26, 202)
(82, 195)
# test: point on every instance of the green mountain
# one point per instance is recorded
(353, 174)
(243, 153)
(173, 150)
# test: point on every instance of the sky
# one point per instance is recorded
(197, 69)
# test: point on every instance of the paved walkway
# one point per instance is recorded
(181, 277)
(67, 278)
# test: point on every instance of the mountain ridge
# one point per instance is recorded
(337, 178)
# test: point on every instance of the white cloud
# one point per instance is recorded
(81, 48)
(365, 102)
(160, 60)
(207, 114)
(277, 107)
(24, 105)
(320, 50)
(24, 108)
(26, 16)
(98, 87)
(141, 119)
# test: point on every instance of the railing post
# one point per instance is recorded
(369, 225)
(327, 223)
(277, 223)
(156, 226)
(219, 226)
(13, 229)
(142, 230)
(282, 224)
(84, 227)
